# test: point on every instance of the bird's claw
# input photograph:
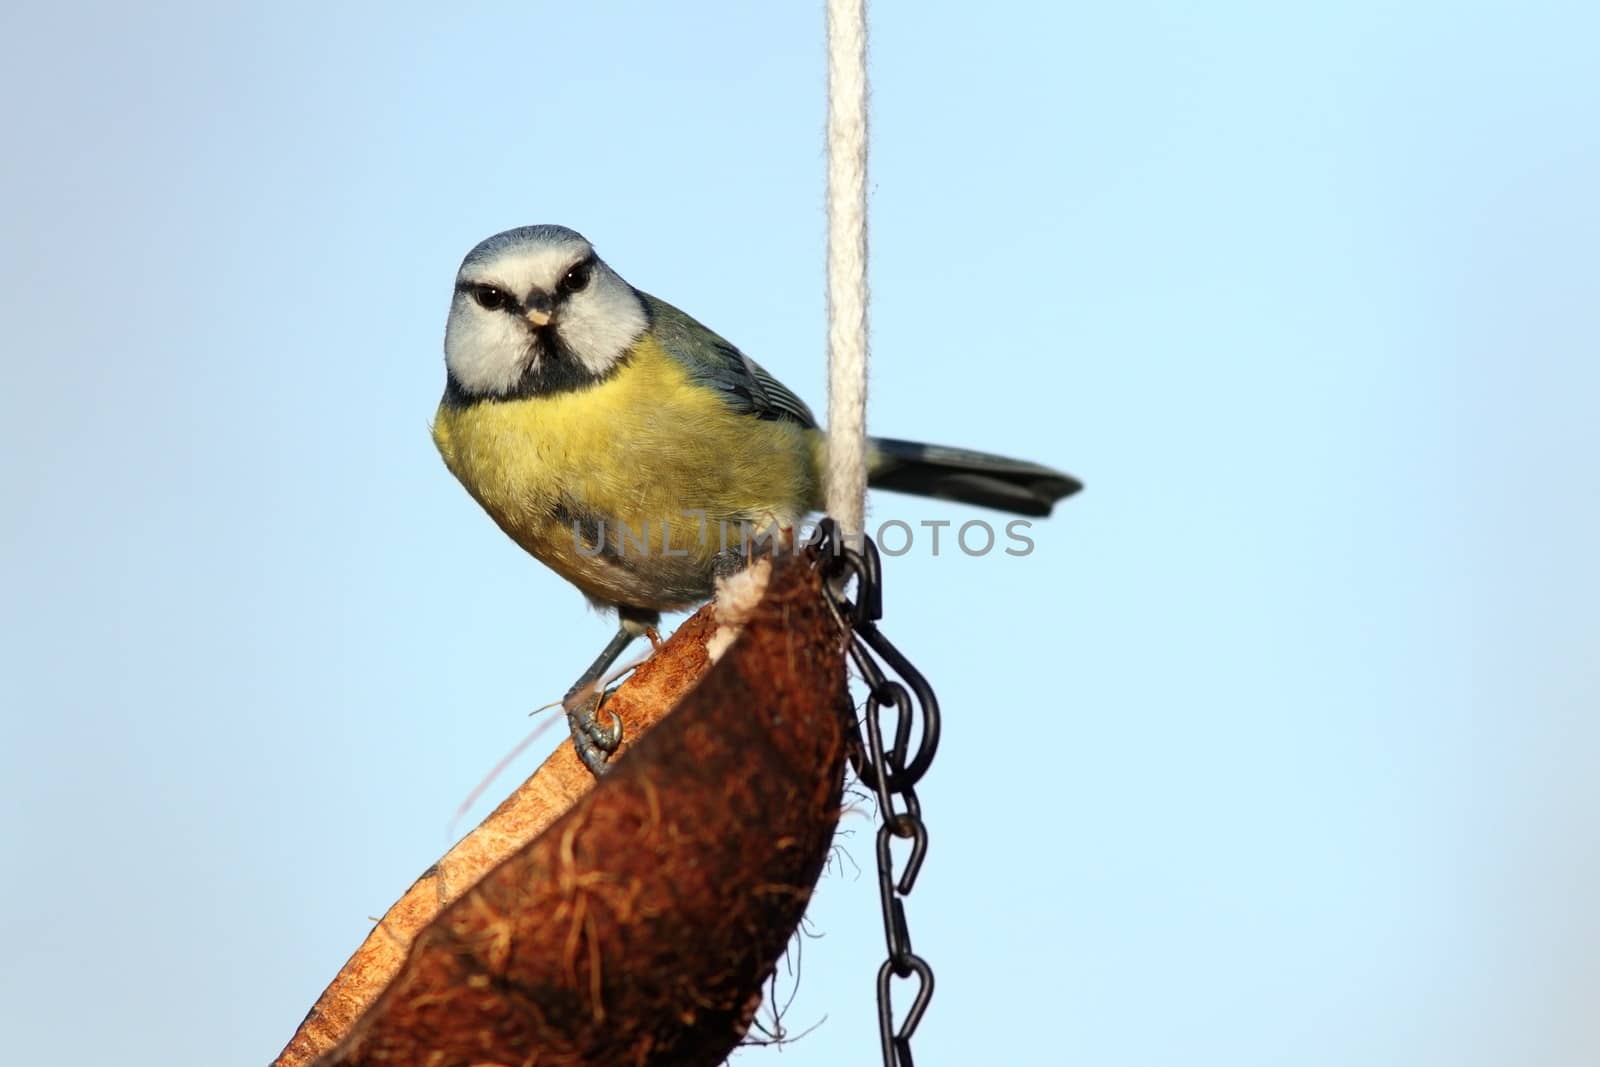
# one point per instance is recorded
(593, 741)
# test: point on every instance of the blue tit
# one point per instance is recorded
(616, 439)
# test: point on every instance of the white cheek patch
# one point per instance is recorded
(601, 323)
(487, 352)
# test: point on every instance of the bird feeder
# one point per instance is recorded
(632, 919)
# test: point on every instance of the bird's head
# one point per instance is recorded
(536, 311)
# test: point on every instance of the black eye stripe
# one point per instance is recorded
(577, 276)
(489, 297)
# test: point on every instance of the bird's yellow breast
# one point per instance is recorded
(647, 450)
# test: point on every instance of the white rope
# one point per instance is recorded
(846, 480)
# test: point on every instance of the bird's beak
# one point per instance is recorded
(539, 308)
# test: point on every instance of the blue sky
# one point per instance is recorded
(1308, 297)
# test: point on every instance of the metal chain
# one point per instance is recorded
(889, 770)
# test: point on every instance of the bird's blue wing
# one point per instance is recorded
(743, 383)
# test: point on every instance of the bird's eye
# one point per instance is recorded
(578, 277)
(489, 297)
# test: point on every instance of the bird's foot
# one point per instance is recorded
(593, 741)
(728, 562)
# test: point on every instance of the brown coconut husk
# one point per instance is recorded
(632, 920)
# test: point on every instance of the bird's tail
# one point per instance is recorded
(970, 477)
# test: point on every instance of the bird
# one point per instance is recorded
(606, 432)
